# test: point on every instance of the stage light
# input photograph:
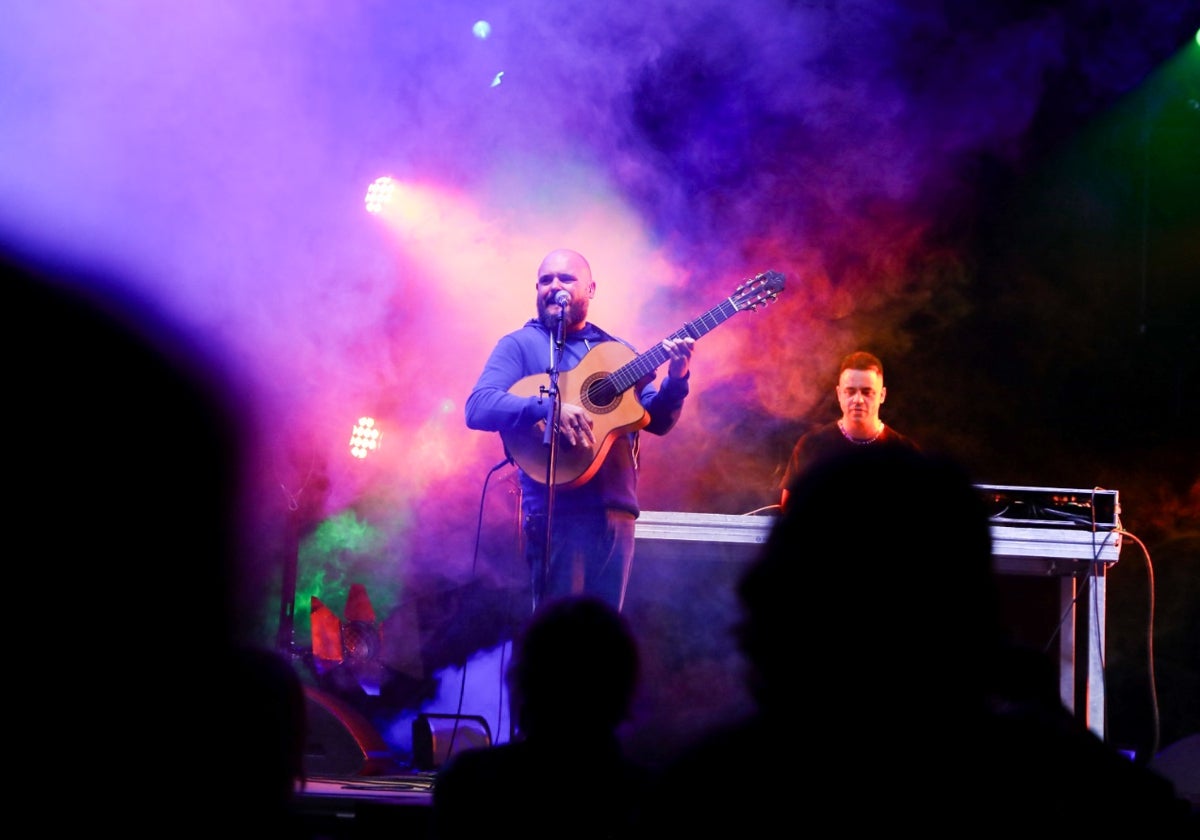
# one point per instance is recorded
(328, 648)
(364, 439)
(361, 639)
(380, 194)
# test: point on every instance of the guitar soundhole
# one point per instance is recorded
(598, 394)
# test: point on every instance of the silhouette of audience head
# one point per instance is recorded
(564, 772)
(574, 669)
(879, 573)
(126, 467)
(134, 464)
(873, 632)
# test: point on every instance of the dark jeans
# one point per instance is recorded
(590, 552)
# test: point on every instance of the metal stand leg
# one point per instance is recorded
(1095, 650)
(1083, 641)
(1066, 641)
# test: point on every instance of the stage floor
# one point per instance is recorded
(398, 806)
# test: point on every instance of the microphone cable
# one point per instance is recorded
(462, 684)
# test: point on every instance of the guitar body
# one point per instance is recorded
(604, 384)
(611, 416)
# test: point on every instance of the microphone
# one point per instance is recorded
(562, 297)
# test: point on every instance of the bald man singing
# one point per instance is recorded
(593, 472)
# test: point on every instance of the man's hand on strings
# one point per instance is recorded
(575, 426)
(680, 351)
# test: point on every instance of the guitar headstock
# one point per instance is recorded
(758, 290)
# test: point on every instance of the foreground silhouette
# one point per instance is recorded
(564, 774)
(126, 462)
(888, 696)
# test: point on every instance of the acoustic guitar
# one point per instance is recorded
(602, 383)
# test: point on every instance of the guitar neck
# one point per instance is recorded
(629, 374)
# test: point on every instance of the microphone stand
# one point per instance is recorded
(551, 438)
(285, 638)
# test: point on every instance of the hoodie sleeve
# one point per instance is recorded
(490, 407)
(665, 403)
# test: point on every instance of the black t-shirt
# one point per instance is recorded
(828, 440)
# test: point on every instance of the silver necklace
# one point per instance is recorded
(852, 439)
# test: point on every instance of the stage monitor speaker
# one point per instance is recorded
(437, 737)
(340, 741)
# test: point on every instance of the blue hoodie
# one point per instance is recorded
(526, 352)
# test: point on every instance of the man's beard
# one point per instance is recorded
(571, 315)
